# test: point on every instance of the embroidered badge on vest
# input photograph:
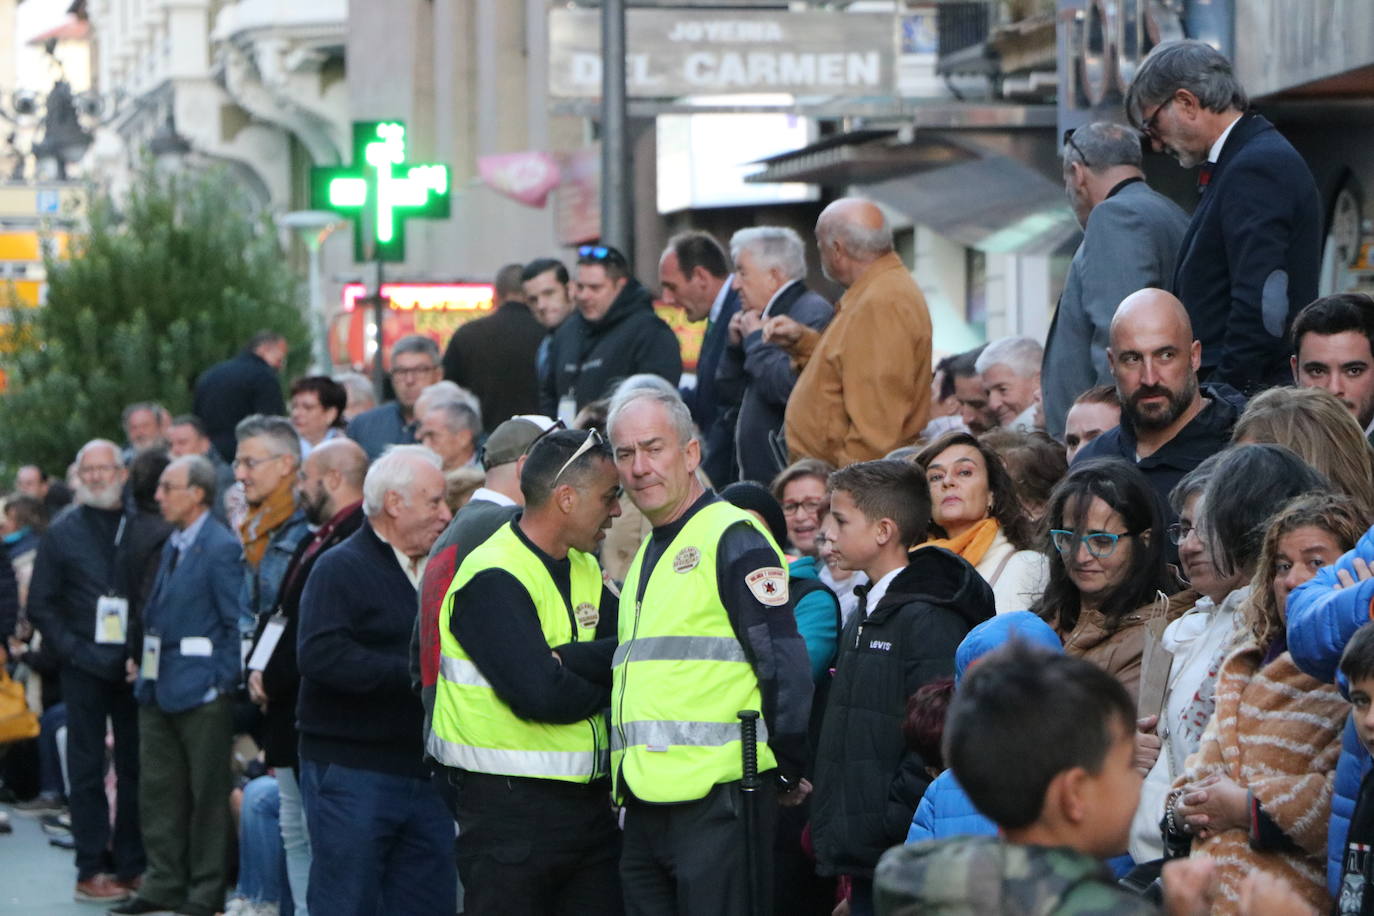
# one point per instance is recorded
(587, 615)
(686, 560)
(769, 585)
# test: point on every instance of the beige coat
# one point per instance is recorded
(864, 387)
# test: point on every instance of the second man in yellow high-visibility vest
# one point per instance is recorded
(526, 635)
(705, 630)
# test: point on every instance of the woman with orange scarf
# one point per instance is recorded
(976, 514)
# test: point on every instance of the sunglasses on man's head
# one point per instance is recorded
(1068, 141)
(601, 253)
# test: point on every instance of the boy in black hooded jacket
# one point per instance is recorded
(909, 623)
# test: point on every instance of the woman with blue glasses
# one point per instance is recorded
(1106, 565)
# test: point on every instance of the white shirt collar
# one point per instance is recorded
(491, 496)
(183, 539)
(879, 589)
(413, 569)
(1214, 154)
(767, 309)
(719, 304)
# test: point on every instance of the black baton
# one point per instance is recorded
(748, 785)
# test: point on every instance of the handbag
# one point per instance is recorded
(17, 721)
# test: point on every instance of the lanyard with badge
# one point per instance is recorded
(112, 609)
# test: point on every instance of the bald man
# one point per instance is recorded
(1169, 423)
(864, 383)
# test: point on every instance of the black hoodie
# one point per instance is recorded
(589, 358)
(867, 782)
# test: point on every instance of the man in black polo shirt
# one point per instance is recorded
(1169, 423)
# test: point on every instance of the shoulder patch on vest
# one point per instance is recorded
(769, 585)
(587, 615)
(686, 560)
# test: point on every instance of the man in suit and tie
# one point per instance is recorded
(1250, 259)
(1131, 236)
(185, 679)
(695, 276)
(756, 375)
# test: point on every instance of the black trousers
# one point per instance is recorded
(90, 701)
(689, 860)
(535, 846)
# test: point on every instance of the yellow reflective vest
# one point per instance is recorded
(680, 675)
(474, 729)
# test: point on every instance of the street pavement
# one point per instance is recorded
(37, 879)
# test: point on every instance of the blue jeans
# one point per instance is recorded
(260, 851)
(380, 843)
(50, 781)
(295, 839)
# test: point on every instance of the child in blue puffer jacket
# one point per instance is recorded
(945, 810)
(1323, 613)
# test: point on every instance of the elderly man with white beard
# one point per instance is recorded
(78, 603)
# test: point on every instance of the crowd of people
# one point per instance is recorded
(826, 626)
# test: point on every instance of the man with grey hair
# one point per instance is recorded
(145, 426)
(1010, 370)
(381, 836)
(451, 430)
(76, 603)
(361, 397)
(694, 275)
(710, 572)
(266, 465)
(756, 375)
(1131, 236)
(864, 385)
(1252, 253)
(185, 679)
(414, 367)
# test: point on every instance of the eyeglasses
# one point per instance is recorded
(412, 372)
(1178, 532)
(101, 470)
(809, 506)
(164, 487)
(1068, 141)
(557, 425)
(252, 464)
(601, 253)
(1147, 127)
(593, 440)
(1100, 544)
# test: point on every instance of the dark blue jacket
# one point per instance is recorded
(229, 391)
(1322, 616)
(356, 707)
(201, 597)
(1251, 256)
(380, 427)
(715, 420)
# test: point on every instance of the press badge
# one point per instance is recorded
(567, 409)
(271, 635)
(152, 651)
(111, 620)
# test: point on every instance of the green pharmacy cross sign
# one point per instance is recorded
(380, 191)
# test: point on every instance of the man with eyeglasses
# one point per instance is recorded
(266, 465)
(613, 334)
(77, 603)
(185, 678)
(414, 367)
(1251, 256)
(1131, 236)
(526, 636)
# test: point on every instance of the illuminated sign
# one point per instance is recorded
(381, 191)
(426, 297)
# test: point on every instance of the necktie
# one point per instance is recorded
(1204, 175)
(862, 592)
(176, 558)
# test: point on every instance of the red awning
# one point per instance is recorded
(73, 29)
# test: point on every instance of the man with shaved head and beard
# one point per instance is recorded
(1169, 423)
(864, 383)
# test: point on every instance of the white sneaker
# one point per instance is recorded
(237, 907)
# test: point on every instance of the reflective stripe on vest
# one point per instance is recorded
(473, 728)
(680, 674)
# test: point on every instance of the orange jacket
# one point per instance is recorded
(865, 386)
